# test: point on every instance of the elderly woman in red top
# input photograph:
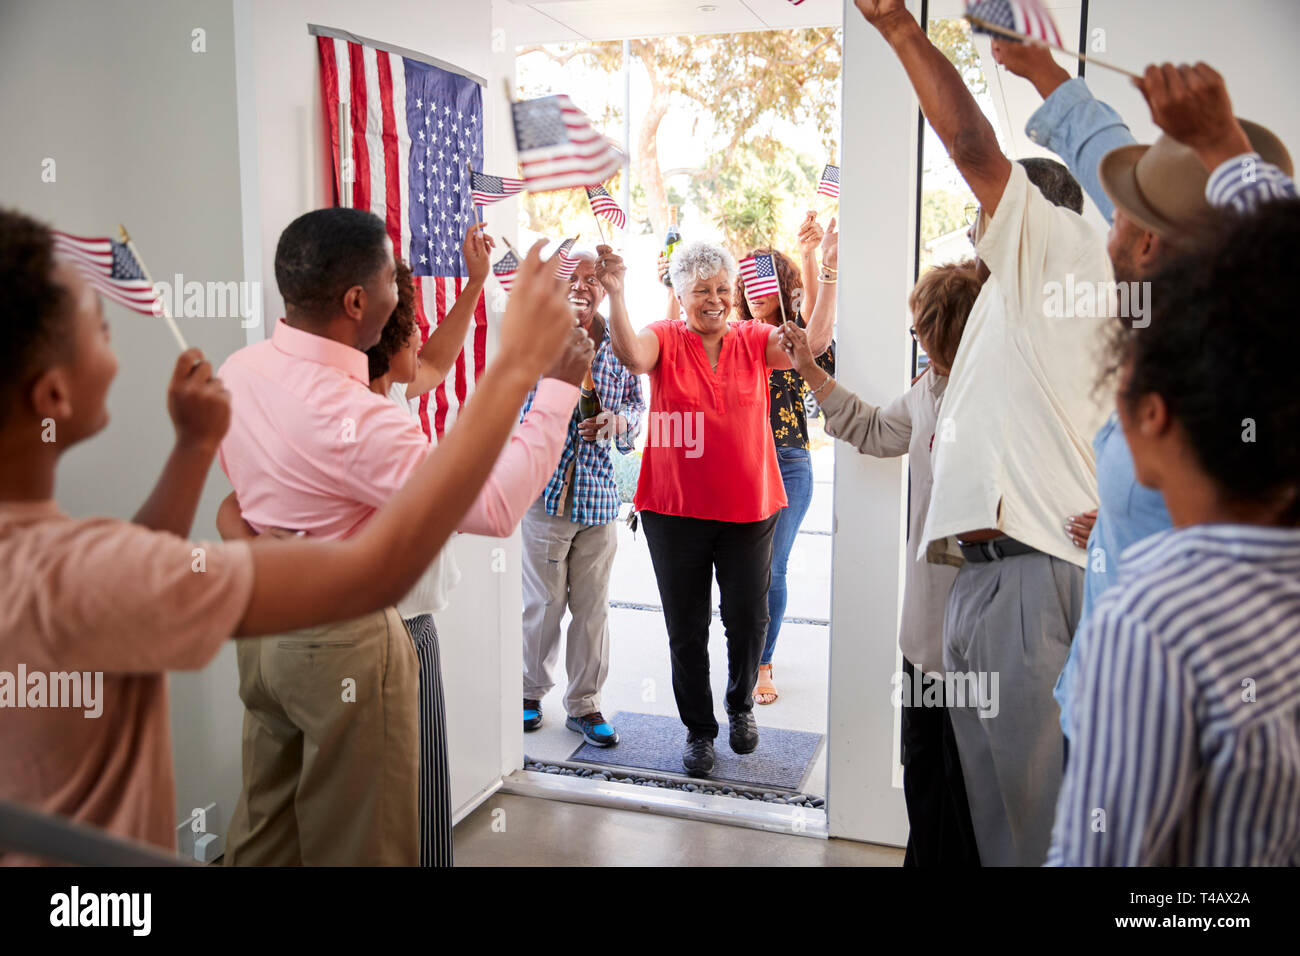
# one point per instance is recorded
(710, 489)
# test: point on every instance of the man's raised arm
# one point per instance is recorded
(949, 106)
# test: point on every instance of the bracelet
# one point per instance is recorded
(827, 381)
(825, 281)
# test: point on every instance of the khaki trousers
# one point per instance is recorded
(331, 747)
(566, 565)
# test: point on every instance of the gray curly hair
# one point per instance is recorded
(699, 260)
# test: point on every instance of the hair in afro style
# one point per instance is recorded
(398, 328)
(1220, 351)
(32, 326)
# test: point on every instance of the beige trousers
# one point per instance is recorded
(566, 565)
(331, 747)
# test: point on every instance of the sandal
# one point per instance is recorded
(765, 688)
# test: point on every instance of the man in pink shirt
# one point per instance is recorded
(331, 738)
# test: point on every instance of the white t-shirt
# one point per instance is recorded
(430, 594)
(1013, 445)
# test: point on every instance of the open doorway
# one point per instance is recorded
(737, 152)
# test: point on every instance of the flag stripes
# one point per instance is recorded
(423, 197)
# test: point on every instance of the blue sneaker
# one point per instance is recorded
(532, 714)
(594, 729)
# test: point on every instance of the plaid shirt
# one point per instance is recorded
(586, 464)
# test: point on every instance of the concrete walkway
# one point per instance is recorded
(640, 676)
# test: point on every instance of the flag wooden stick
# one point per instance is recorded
(171, 323)
(599, 229)
(511, 248)
(994, 28)
(780, 299)
(345, 154)
(470, 166)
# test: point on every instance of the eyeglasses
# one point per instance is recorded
(972, 213)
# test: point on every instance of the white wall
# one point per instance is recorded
(877, 202)
(1251, 42)
(292, 177)
(142, 130)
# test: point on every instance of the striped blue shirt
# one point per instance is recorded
(585, 464)
(1245, 181)
(1185, 744)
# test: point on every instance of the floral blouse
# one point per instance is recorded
(791, 398)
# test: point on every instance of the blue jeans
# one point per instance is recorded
(796, 473)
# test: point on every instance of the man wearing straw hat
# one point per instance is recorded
(1156, 197)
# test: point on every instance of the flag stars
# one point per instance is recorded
(421, 134)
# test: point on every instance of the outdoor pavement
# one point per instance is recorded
(640, 677)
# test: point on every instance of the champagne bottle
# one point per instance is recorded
(588, 400)
(671, 238)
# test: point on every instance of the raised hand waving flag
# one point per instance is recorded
(558, 148)
(759, 273)
(109, 266)
(505, 270)
(1023, 20)
(603, 205)
(1027, 18)
(489, 189)
(568, 263)
(830, 182)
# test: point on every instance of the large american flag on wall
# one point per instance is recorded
(413, 126)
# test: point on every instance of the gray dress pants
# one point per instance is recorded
(1007, 631)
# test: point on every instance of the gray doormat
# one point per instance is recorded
(649, 742)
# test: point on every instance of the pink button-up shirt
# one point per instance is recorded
(311, 448)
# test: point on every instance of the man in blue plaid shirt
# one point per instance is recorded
(569, 536)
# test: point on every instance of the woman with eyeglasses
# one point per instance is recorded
(941, 833)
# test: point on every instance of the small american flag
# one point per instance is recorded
(564, 271)
(505, 270)
(110, 267)
(489, 189)
(759, 273)
(830, 182)
(603, 205)
(1029, 18)
(558, 148)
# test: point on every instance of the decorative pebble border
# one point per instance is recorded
(664, 783)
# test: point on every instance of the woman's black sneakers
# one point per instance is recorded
(744, 731)
(697, 758)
